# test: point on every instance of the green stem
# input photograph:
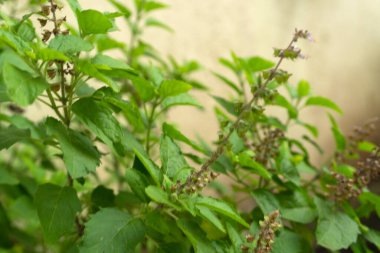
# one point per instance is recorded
(150, 125)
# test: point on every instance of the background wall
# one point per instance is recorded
(344, 62)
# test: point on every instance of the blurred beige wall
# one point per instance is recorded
(344, 62)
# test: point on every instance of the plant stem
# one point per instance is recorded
(220, 149)
(150, 125)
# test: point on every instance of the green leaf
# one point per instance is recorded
(237, 143)
(302, 215)
(79, 154)
(175, 134)
(112, 230)
(171, 157)
(70, 44)
(120, 7)
(26, 31)
(266, 201)
(312, 129)
(221, 207)
(290, 242)
(152, 6)
(12, 135)
(280, 100)
(22, 87)
(74, 5)
(181, 99)
(211, 217)
(158, 195)
(285, 165)
(99, 119)
(335, 230)
(93, 22)
(145, 88)
(373, 236)
(89, 69)
(48, 54)
(227, 105)
(7, 178)
(151, 167)
(156, 23)
(234, 236)
(196, 236)
(340, 139)
(246, 161)
(324, 102)
(229, 83)
(57, 208)
(15, 42)
(366, 146)
(106, 62)
(137, 182)
(102, 197)
(170, 88)
(303, 88)
(257, 64)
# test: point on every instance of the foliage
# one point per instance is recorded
(106, 172)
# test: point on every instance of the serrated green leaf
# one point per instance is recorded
(145, 88)
(246, 161)
(324, 102)
(171, 157)
(170, 88)
(303, 88)
(266, 201)
(99, 119)
(112, 230)
(93, 22)
(22, 87)
(57, 208)
(70, 44)
(221, 207)
(138, 182)
(335, 230)
(79, 154)
(12, 135)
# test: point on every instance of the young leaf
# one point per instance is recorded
(171, 157)
(152, 6)
(112, 230)
(70, 44)
(257, 64)
(12, 135)
(79, 154)
(222, 208)
(170, 88)
(120, 7)
(303, 88)
(106, 62)
(324, 102)
(48, 54)
(340, 139)
(22, 87)
(93, 22)
(335, 230)
(57, 208)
